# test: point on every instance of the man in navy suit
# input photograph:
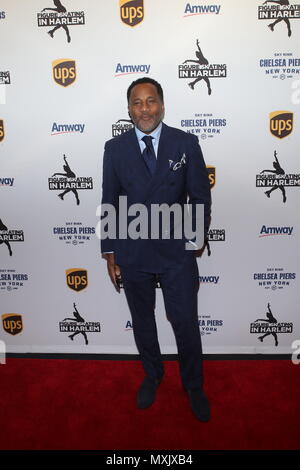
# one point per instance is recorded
(157, 164)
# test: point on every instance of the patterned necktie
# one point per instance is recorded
(149, 154)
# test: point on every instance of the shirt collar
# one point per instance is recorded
(155, 134)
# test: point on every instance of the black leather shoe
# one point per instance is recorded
(199, 404)
(147, 392)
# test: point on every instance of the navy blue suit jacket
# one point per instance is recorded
(125, 174)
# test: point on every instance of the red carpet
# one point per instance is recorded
(90, 404)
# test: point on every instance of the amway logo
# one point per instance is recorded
(127, 69)
(6, 181)
(67, 128)
(209, 279)
(268, 231)
(201, 9)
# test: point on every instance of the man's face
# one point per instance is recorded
(145, 107)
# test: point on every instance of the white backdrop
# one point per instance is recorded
(41, 121)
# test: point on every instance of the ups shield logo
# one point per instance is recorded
(132, 11)
(211, 170)
(12, 323)
(77, 279)
(1, 130)
(64, 71)
(281, 123)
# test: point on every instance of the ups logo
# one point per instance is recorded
(1, 130)
(64, 71)
(12, 323)
(281, 123)
(211, 170)
(132, 11)
(77, 279)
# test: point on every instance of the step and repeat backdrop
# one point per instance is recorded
(230, 71)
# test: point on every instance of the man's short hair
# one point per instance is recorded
(146, 80)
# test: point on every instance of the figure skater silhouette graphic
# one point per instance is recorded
(59, 9)
(278, 171)
(68, 174)
(201, 61)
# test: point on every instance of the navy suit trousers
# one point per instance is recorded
(180, 284)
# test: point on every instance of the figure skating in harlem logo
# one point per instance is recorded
(202, 70)
(4, 239)
(4, 78)
(271, 320)
(68, 174)
(8, 236)
(69, 182)
(60, 18)
(201, 60)
(270, 327)
(277, 179)
(279, 10)
(78, 325)
(279, 171)
(121, 127)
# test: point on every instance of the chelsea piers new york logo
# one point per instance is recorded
(68, 182)
(12, 280)
(132, 11)
(59, 18)
(201, 70)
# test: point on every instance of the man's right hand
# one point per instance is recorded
(113, 269)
